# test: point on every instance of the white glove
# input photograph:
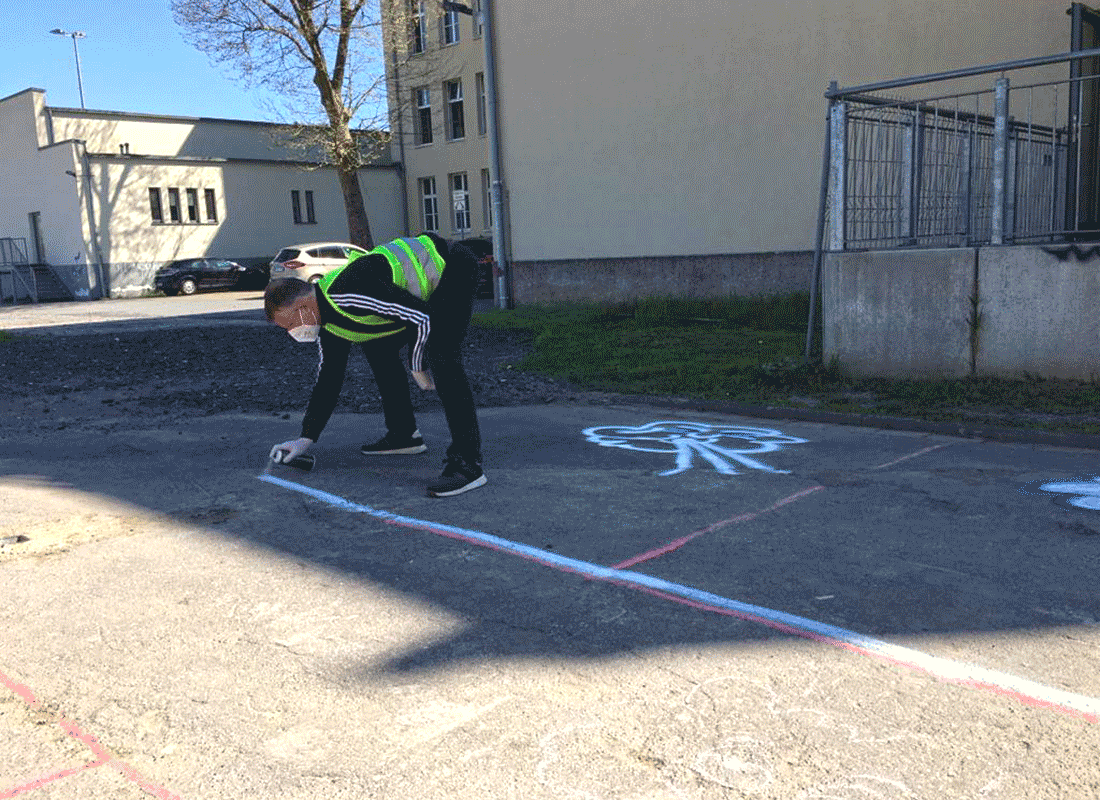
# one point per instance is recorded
(287, 451)
(423, 380)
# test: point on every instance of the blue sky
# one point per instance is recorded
(134, 58)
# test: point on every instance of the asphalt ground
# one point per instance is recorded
(642, 603)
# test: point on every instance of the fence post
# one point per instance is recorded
(912, 167)
(1000, 160)
(838, 135)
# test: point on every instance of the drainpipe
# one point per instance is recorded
(496, 181)
(401, 144)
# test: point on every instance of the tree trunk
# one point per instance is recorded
(358, 224)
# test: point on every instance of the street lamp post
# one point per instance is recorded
(76, 52)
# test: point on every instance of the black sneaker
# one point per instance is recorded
(458, 477)
(390, 445)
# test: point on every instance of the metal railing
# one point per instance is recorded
(1013, 162)
(13, 265)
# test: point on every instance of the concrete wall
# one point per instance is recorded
(908, 313)
(899, 313)
(612, 279)
(1039, 311)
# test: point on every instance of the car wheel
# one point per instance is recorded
(314, 278)
(188, 286)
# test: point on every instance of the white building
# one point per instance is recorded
(107, 197)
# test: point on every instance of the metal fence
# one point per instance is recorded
(1016, 161)
(1011, 163)
(13, 251)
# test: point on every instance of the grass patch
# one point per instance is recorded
(750, 350)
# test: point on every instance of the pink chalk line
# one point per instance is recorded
(911, 455)
(1001, 683)
(102, 756)
(676, 544)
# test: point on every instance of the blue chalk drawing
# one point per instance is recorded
(1087, 492)
(690, 439)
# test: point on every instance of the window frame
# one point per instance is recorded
(482, 104)
(448, 28)
(311, 216)
(156, 207)
(192, 196)
(296, 206)
(463, 179)
(210, 199)
(456, 111)
(487, 197)
(418, 27)
(175, 210)
(429, 213)
(422, 120)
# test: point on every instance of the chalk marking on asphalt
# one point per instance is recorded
(911, 455)
(1022, 689)
(676, 544)
(103, 756)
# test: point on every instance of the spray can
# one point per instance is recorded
(304, 462)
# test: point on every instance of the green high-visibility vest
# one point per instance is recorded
(417, 268)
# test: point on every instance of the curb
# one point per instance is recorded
(1085, 441)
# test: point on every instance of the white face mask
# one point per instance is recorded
(304, 332)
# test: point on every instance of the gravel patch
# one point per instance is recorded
(106, 380)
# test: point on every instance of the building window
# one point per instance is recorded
(418, 28)
(487, 198)
(296, 208)
(193, 205)
(479, 80)
(422, 98)
(456, 120)
(460, 197)
(174, 206)
(211, 205)
(450, 27)
(155, 209)
(479, 27)
(429, 205)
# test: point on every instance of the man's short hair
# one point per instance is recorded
(284, 292)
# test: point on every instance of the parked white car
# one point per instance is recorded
(308, 262)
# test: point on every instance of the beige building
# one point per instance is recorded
(436, 89)
(107, 197)
(672, 148)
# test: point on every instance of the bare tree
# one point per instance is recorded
(305, 51)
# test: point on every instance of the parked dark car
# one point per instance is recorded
(188, 275)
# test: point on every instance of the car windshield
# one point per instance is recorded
(286, 254)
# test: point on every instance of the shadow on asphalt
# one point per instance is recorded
(960, 540)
